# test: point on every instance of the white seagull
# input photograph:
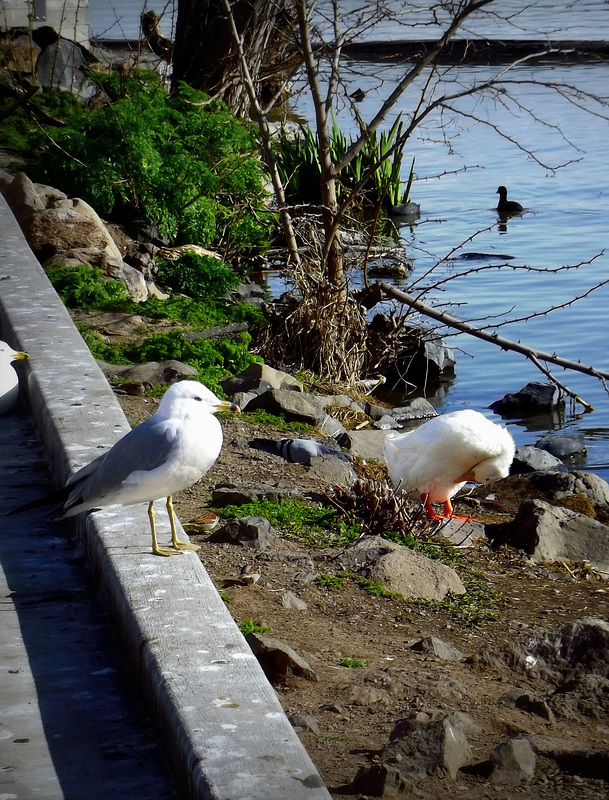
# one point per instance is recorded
(9, 380)
(446, 452)
(167, 453)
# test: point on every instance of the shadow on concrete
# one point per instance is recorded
(71, 722)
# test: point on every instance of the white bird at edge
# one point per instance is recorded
(446, 452)
(167, 453)
(9, 380)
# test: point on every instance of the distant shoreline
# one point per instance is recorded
(479, 50)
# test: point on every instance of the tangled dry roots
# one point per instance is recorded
(319, 327)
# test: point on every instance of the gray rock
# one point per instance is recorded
(436, 745)
(54, 224)
(154, 372)
(513, 762)
(531, 399)
(573, 757)
(417, 408)
(437, 647)
(329, 426)
(460, 533)
(432, 359)
(559, 484)
(304, 723)
(400, 569)
(565, 446)
(333, 470)
(255, 532)
(584, 696)
(26, 197)
(296, 406)
(374, 411)
(575, 649)
(533, 459)
(250, 292)
(132, 278)
(19, 54)
(341, 401)
(551, 533)
(530, 703)
(61, 65)
(380, 780)
(386, 423)
(256, 375)
(367, 444)
(243, 399)
(238, 494)
(278, 659)
(289, 600)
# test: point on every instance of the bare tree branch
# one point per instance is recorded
(534, 355)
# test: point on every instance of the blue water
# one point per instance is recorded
(567, 208)
(581, 19)
(566, 219)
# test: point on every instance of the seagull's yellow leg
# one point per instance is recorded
(158, 551)
(175, 542)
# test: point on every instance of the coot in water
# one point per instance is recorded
(506, 206)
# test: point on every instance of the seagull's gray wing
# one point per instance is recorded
(145, 448)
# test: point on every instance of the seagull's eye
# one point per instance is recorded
(199, 399)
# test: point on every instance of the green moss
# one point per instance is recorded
(248, 626)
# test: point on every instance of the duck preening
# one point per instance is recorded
(505, 206)
(446, 452)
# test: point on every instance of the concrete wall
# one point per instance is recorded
(219, 718)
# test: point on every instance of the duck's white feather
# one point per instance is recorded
(444, 453)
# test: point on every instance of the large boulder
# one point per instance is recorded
(68, 231)
(400, 569)
(551, 533)
(296, 406)
(533, 398)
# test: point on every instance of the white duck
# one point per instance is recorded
(442, 455)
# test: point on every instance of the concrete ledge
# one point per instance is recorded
(219, 719)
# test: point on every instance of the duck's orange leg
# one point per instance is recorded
(448, 512)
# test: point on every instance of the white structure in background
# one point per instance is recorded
(70, 18)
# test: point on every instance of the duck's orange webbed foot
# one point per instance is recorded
(448, 512)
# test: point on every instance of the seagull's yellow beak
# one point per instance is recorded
(226, 405)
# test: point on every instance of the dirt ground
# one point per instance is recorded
(357, 708)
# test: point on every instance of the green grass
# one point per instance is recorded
(275, 421)
(316, 527)
(248, 626)
(332, 582)
(352, 663)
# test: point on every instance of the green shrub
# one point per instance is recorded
(86, 287)
(201, 277)
(181, 161)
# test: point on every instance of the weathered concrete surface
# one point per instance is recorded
(71, 723)
(222, 724)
